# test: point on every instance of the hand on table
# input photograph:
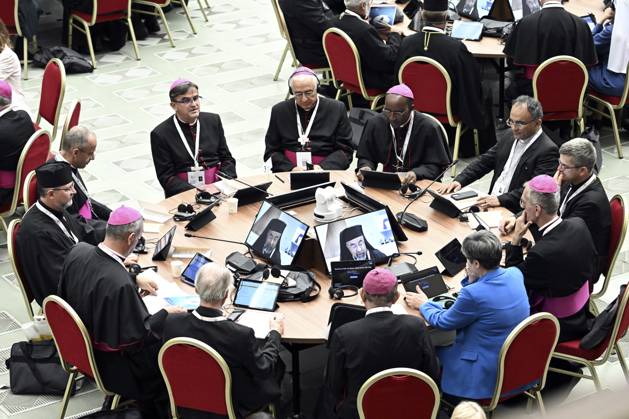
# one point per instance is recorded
(507, 225)
(449, 187)
(146, 283)
(415, 300)
(277, 323)
(409, 177)
(359, 174)
(488, 201)
(298, 169)
(521, 227)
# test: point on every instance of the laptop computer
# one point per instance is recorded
(250, 195)
(350, 272)
(297, 197)
(382, 180)
(300, 180)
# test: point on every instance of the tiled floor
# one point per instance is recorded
(233, 59)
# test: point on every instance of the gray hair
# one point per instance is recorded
(4, 101)
(355, 4)
(212, 282)
(582, 152)
(122, 232)
(532, 105)
(76, 137)
(314, 78)
(434, 17)
(181, 89)
(549, 201)
(382, 300)
(484, 247)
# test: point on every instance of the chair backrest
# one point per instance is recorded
(106, 7)
(398, 393)
(72, 120)
(30, 190)
(53, 88)
(34, 154)
(431, 86)
(341, 313)
(559, 83)
(443, 130)
(27, 295)
(281, 21)
(9, 15)
(197, 377)
(71, 339)
(343, 58)
(520, 362)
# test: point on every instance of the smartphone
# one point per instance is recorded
(463, 195)
(234, 315)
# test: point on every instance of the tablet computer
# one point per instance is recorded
(202, 217)
(258, 295)
(383, 13)
(444, 205)
(162, 247)
(451, 257)
(249, 195)
(382, 180)
(350, 272)
(432, 285)
(299, 180)
(189, 275)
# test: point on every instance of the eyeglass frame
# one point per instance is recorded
(520, 124)
(66, 189)
(308, 94)
(189, 100)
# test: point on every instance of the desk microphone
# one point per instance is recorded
(412, 221)
(473, 210)
(224, 175)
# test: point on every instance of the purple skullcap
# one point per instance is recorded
(543, 184)
(302, 70)
(5, 90)
(178, 82)
(123, 216)
(402, 90)
(379, 281)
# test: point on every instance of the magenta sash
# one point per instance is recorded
(7, 179)
(566, 306)
(210, 175)
(86, 210)
(292, 156)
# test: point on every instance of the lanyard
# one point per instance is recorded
(567, 199)
(552, 225)
(406, 140)
(208, 319)
(69, 234)
(194, 156)
(5, 111)
(303, 136)
(115, 256)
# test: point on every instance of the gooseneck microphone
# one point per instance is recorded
(473, 210)
(228, 177)
(215, 239)
(412, 221)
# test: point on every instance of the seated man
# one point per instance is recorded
(380, 341)
(582, 195)
(126, 338)
(16, 129)
(189, 148)
(403, 140)
(514, 160)
(48, 231)
(562, 261)
(377, 57)
(306, 21)
(491, 302)
(255, 365)
(267, 245)
(354, 246)
(321, 136)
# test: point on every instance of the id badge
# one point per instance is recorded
(196, 177)
(303, 157)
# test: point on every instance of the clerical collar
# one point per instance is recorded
(58, 214)
(112, 253)
(375, 310)
(546, 228)
(551, 4)
(59, 157)
(578, 185)
(209, 312)
(433, 29)
(348, 12)
(185, 124)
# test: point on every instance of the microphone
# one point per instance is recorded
(224, 175)
(215, 239)
(473, 210)
(412, 221)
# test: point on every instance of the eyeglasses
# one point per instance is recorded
(189, 100)
(519, 124)
(394, 113)
(307, 94)
(562, 166)
(66, 189)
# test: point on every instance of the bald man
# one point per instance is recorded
(308, 128)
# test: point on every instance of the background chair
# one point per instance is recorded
(341, 313)
(53, 89)
(9, 13)
(398, 393)
(27, 295)
(432, 88)
(72, 120)
(74, 347)
(591, 358)
(559, 84)
(102, 11)
(346, 70)
(186, 11)
(611, 105)
(30, 190)
(521, 363)
(157, 6)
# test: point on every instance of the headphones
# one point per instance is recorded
(184, 212)
(300, 71)
(135, 270)
(338, 292)
(409, 190)
(204, 197)
(185, 208)
(140, 248)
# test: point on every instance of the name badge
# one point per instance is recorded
(303, 157)
(196, 177)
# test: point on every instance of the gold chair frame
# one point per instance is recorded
(159, 12)
(12, 226)
(26, 201)
(18, 31)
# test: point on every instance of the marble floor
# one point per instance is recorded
(232, 58)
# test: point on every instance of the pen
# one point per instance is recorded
(280, 179)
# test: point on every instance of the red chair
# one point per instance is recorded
(102, 11)
(53, 89)
(432, 88)
(559, 84)
(611, 104)
(72, 120)
(158, 6)
(398, 393)
(9, 15)
(616, 239)
(524, 359)
(181, 360)
(74, 347)
(345, 66)
(570, 351)
(30, 190)
(34, 154)
(27, 295)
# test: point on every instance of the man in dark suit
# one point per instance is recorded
(380, 341)
(514, 160)
(377, 57)
(306, 21)
(255, 365)
(562, 261)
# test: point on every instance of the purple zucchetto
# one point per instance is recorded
(402, 90)
(123, 216)
(178, 82)
(543, 184)
(379, 281)
(5, 90)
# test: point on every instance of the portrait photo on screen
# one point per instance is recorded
(363, 237)
(275, 235)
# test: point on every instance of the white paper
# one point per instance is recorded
(152, 228)
(154, 216)
(491, 219)
(225, 187)
(165, 289)
(398, 309)
(259, 321)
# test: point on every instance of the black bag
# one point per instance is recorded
(358, 117)
(35, 368)
(591, 134)
(602, 324)
(303, 290)
(73, 62)
(120, 413)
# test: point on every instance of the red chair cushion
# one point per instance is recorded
(613, 100)
(618, 219)
(559, 87)
(572, 348)
(356, 89)
(7, 14)
(36, 155)
(18, 265)
(101, 18)
(74, 117)
(405, 396)
(51, 90)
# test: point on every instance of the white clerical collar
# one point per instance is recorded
(378, 310)
(550, 4)
(112, 254)
(184, 122)
(546, 228)
(348, 12)
(432, 29)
